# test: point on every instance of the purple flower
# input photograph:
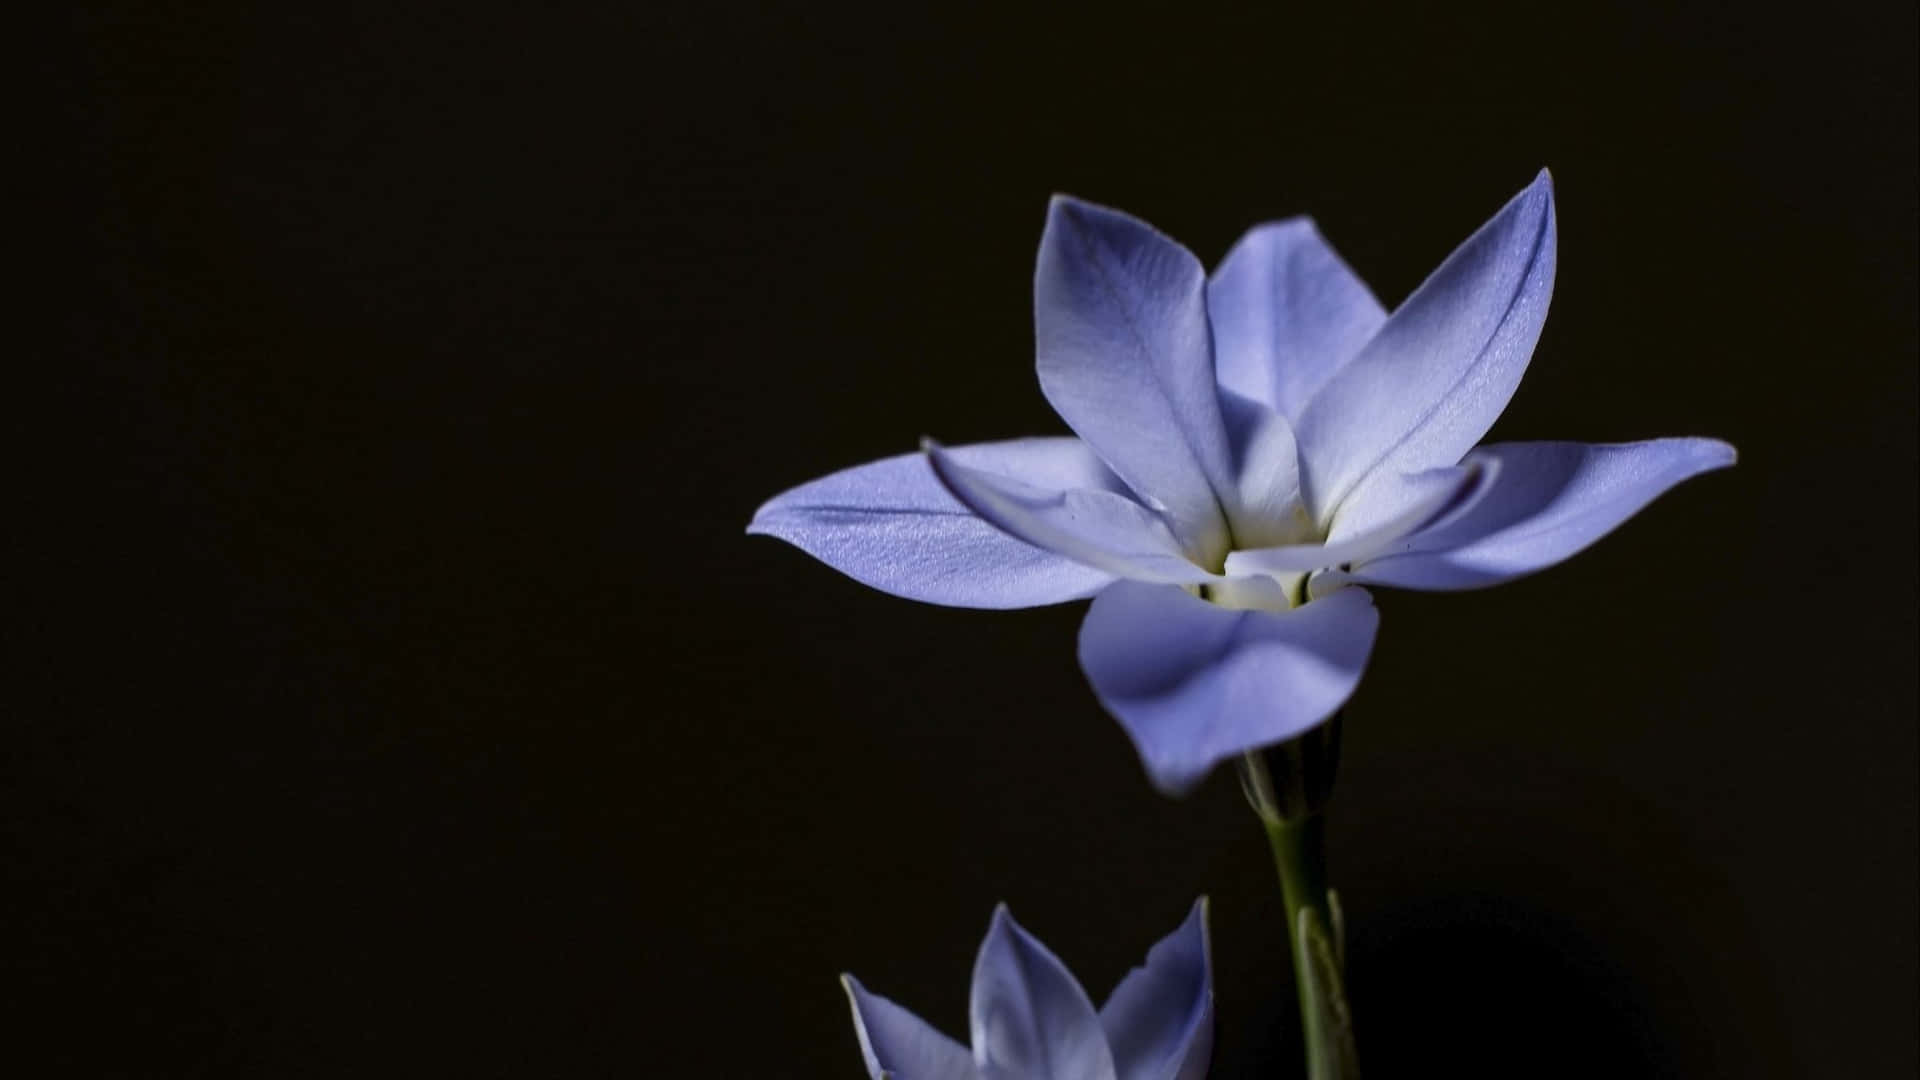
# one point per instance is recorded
(1252, 447)
(1032, 1021)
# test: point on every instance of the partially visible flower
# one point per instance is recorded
(1252, 445)
(1030, 1019)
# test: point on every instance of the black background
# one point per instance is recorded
(396, 694)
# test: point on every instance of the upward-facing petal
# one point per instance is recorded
(1030, 1018)
(1287, 313)
(1544, 502)
(891, 524)
(898, 1045)
(1266, 471)
(1433, 380)
(1159, 1020)
(1126, 357)
(1195, 684)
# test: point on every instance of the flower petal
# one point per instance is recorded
(1126, 357)
(1194, 683)
(892, 525)
(898, 1045)
(1159, 1020)
(1396, 505)
(1287, 313)
(1438, 374)
(1545, 502)
(1099, 529)
(1030, 1018)
(1266, 471)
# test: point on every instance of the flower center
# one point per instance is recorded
(1266, 592)
(1293, 525)
(1256, 593)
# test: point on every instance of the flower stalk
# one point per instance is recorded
(1288, 786)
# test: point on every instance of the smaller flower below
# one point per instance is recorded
(1032, 1021)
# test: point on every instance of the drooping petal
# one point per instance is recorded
(1393, 509)
(1287, 313)
(1433, 380)
(1099, 529)
(1159, 1020)
(1194, 683)
(898, 1045)
(1545, 501)
(1126, 357)
(1030, 1018)
(892, 525)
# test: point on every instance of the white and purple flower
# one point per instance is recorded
(1031, 1020)
(1253, 447)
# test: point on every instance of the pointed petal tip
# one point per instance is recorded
(897, 1045)
(1534, 201)
(857, 996)
(1541, 191)
(1703, 453)
(1001, 924)
(758, 525)
(1064, 209)
(765, 520)
(1062, 203)
(942, 464)
(1298, 223)
(1085, 215)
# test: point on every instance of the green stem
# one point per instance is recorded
(1288, 787)
(1300, 854)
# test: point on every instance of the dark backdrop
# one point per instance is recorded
(395, 692)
